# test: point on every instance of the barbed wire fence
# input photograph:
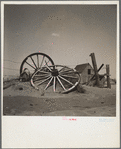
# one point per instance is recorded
(7, 76)
(12, 62)
(17, 70)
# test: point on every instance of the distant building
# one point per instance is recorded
(86, 71)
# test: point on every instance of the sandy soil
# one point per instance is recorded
(20, 98)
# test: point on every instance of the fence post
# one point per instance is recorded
(95, 69)
(108, 76)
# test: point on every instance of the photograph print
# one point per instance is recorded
(60, 60)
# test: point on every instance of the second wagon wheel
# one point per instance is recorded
(55, 78)
(35, 61)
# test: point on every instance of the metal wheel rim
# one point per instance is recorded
(37, 66)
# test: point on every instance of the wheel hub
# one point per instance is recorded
(55, 72)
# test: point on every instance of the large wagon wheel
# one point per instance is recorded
(35, 61)
(59, 78)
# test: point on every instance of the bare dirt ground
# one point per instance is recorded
(21, 99)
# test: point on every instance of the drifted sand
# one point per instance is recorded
(23, 100)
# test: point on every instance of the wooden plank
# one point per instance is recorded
(108, 76)
(95, 69)
(94, 74)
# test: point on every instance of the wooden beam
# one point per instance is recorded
(95, 69)
(94, 74)
(108, 76)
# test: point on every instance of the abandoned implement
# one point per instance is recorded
(45, 75)
(60, 78)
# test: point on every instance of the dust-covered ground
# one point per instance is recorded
(21, 99)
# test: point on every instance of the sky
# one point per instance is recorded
(68, 33)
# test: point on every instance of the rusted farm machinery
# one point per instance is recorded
(45, 74)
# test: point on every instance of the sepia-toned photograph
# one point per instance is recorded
(59, 60)
(60, 74)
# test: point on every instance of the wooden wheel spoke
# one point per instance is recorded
(30, 65)
(47, 66)
(67, 71)
(43, 71)
(48, 83)
(38, 60)
(41, 75)
(61, 69)
(54, 83)
(66, 80)
(42, 61)
(40, 78)
(33, 62)
(44, 81)
(69, 76)
(47, 62)
(57, 77)
(61, 83)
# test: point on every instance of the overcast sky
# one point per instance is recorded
(68, 33)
